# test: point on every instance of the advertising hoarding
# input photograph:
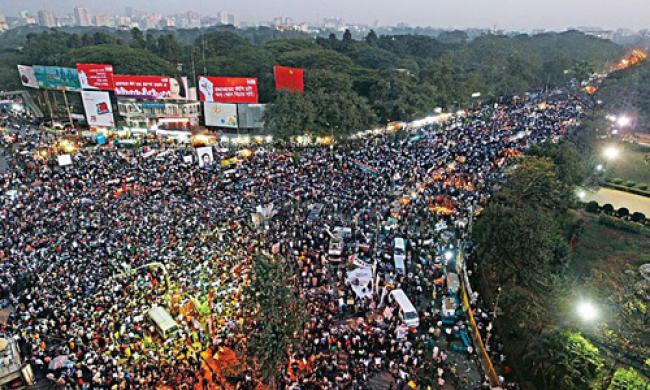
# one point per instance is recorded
(27, 76)
(228, 89)
(98, 108)
(96, 76)
(220, 114)
(251, 116)
(147, 87)
(56, 77)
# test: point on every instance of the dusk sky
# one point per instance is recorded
(505, 14)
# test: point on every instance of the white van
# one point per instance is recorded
(407, 312)
(163, 321)
(399, 255)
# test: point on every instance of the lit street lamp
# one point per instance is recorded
(587, 311)
(611, 153)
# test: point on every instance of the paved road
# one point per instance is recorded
(620, 199)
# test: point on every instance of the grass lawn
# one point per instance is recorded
(630, 165)
(605, 267)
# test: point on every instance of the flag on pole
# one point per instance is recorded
(291, 79)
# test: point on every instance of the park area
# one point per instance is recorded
(631, 168)
(605, 267)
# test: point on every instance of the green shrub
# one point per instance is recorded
(630, 183)
(623, 212)
(628, 379)
(616, 180)
(592, 207)
(616, 223)
(608, 209)
(642, 186)
(638, 217)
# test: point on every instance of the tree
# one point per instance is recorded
(371, 38)
(535, 183)
(291, 114)
(347, 36)
(563, 360)
(277, 316)
(137, 37)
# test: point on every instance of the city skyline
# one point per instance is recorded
(502, 14)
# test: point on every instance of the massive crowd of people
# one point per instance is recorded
(86, 249)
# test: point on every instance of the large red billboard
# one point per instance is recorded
(96, 76)
(147, 87)
(228, 89)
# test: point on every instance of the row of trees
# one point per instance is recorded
(523, 247)
(400, 77)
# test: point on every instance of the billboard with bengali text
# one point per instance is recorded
(147, 87)
(97, 105)
(96, 76)
(220, 114)
(228, 89)
(56, 77)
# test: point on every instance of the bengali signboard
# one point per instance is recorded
(96, 76)
(56, 77)
(97, 105)
(228, 89)
(147, 87)
(220, 114)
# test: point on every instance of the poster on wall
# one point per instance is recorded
(205, 156)
(96, 76)
(147, 87)
(27, 76)
(228, 89)
(99, 111)
(56, 77)
(220, 114)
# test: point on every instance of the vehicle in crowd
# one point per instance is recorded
(453, 282)
(13, 373)
(162, 321)
(399, 255)
(407, 312)
(335, 250)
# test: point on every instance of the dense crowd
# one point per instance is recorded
(87, 249)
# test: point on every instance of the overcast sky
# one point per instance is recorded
(505, 14)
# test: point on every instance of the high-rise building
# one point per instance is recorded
(227, 18)
(46, 18)
(3, 23)
(104, 21)
(82, 16)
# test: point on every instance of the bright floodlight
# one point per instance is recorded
(599, 167)
(582, 194)
(587, 311)
(611, 152)
(449, 255)
(623, 121)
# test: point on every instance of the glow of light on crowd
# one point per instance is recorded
(636, 57)
(623, 121)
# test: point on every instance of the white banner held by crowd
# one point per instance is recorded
(205, 156)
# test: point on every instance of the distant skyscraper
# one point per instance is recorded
(46, 18)
(82, 17)
(104, 21)
(226, 18)
(3, 23)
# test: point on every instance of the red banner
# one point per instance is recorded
(228, 89)
(291, 79)
(147, 87)
(96, 76)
